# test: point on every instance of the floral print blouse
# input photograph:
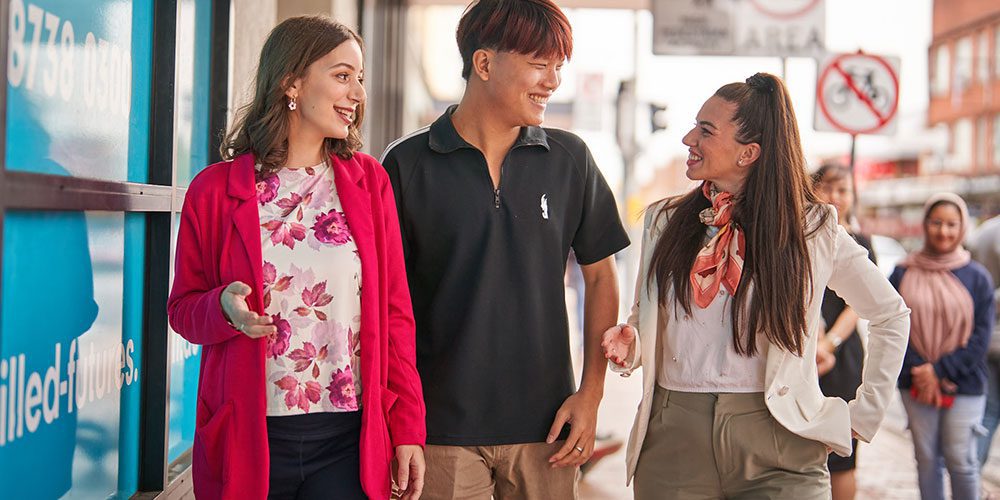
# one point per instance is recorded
(312, 291)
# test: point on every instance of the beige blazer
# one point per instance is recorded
(792, 392)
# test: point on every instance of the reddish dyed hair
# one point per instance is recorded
(535, 27)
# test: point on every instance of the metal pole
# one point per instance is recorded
(155, 362)
(850, 166)
(629, 150)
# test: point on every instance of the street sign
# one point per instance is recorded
(785, 28)
(782, 28)
(588, 107)
(857, 94)
(692, 27)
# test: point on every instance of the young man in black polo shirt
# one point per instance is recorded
(490, 205)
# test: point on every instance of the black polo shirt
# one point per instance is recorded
(486, 274)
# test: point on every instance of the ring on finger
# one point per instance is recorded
(579, 449)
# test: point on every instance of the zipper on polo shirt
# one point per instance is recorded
(489, 178)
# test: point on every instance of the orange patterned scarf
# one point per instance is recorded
(720, 262)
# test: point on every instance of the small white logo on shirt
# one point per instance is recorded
(545, 206)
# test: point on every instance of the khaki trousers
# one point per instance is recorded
(710, 446)
(503, 472)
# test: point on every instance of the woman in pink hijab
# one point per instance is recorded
(943, 379)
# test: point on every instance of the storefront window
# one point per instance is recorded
(70, 354)
(78, 77)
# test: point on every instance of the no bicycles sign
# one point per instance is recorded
(857, 94)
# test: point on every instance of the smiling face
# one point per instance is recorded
(520, 85)
(943, 228)
(328, 95)
(714, 154)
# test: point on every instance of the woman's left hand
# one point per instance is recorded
(409, 471)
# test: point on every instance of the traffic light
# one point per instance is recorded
(657, 117)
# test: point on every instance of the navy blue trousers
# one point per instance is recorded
(315, 456)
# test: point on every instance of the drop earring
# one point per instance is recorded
(291, 104)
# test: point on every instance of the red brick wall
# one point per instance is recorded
(950, 15)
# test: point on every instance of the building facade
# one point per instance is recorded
(110, 108)
(964, 85)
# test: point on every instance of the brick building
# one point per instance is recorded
(964, 85)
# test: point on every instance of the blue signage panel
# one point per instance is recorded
(69, 355)
(78, 78)
(78, 87)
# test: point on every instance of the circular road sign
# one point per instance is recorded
(859, 93)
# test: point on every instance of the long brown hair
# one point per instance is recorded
(261, 126)
(772, 209)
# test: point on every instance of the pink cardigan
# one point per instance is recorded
(219, 242)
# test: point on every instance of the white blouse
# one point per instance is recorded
(698, 353)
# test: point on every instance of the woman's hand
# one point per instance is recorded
(924, 375)
(409, 471)
(927, 384)
(238, 313)
(825, 345)
(929, 396)
(825, 361)
(617, 343)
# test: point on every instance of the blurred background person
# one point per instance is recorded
(840, 354)
(985, 249)
(943, 381)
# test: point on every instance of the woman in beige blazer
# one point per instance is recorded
(728, 308)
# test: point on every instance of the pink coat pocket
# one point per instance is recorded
(388, 399)
(211, 439)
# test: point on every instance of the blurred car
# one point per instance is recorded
(888, 252)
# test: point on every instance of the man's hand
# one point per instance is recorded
(409, 469)
(580, 411)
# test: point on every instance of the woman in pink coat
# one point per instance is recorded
(290, 273)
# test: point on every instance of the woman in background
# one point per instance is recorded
(943, 381)
(840, 354)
